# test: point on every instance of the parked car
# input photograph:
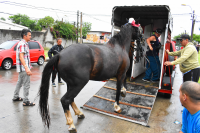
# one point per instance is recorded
(8, 53)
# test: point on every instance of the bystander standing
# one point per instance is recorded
(23, 66)
(188, 60)
(55, 50)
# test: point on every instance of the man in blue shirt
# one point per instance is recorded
(190, 99)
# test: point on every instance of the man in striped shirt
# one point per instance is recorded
(23, 66)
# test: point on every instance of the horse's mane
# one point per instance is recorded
(121, 37)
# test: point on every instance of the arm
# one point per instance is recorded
(148, 41)
(50, 52)
(62, 48)
(187, 53)
(21, 57)
(177, 53)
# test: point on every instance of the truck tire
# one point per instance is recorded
(7, 64)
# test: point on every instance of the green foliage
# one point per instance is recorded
(2, 18)
(46, 22)
(86, 28)
(25, 21)
(196, 38)
(59, 29)
(64, 30)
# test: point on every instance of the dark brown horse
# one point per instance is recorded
(79, 63)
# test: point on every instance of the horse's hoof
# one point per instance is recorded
(123, 93)
(118, 111)
(72, 130)
(81, 116)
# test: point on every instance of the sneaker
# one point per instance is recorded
(146, 80)
(53, 84)
(61, 83)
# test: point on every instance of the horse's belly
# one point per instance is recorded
(102, 75)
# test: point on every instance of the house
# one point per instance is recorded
(97, 37)
(11, 26)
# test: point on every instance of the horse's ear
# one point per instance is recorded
(127, 20)
(137, 21)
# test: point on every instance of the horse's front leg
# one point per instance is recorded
(123, 91)
(120, 79)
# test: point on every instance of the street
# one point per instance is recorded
(19, 119)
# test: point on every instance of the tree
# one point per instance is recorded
(86, 28)
(196, 38)
(46, 22)
(2, 18)
(25, 21)
(64, 30)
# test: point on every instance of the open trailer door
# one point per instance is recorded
(151, 18)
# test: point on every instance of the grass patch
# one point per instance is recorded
(46, 49)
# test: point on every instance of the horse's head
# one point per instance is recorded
(137, 30)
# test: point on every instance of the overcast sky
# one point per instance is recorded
(99, 12)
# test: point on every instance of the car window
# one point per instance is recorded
(33, 45)
(7, 45)
(15, 48)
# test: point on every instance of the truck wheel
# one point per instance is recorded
(40, 61)
(7, 64)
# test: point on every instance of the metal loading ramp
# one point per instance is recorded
(136, 106)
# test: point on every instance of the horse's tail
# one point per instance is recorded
(44, 89)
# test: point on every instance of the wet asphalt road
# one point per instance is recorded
(14, 118)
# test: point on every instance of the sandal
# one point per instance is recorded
(18, 99)
(28, 103)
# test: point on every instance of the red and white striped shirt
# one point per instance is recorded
(22, 47)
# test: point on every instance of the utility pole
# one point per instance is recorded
(77, 26)
(81, 30)
(193, 22)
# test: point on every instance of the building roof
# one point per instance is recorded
(13, 24)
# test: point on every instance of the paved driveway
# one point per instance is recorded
(14, 118)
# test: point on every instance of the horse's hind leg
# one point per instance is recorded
(77, 111)
(67, 99)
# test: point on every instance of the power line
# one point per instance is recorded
(183, 14)
(53, 10)
(15, 14)
(95, 18)
(99, 15)
(34, 7)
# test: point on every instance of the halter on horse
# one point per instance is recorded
(79, 63)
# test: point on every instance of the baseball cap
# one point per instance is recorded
(184, 36)
(159, 31)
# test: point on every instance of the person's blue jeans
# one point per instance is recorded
(152, 68)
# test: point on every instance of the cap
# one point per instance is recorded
(131, 20)
(159, 31)
(184, 36)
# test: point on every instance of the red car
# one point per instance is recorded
(8, 53)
